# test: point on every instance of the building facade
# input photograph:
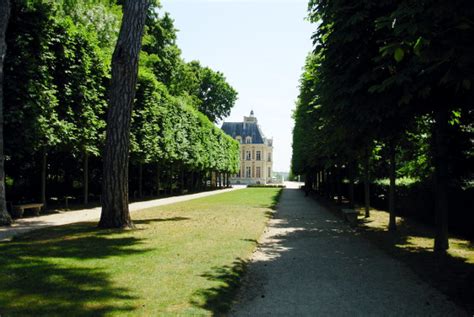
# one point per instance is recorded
(256, 151)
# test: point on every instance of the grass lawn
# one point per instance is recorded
(413, 244)
(182, 259)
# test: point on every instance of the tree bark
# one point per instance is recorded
(157, 179)
(367, 184)
(44, 174)
(441, 243)
(351, 184)
(5, 8)
(392, 224)
(320, 182)
(323, 181)
(140, 180)
(339, 185)
(86, 178)
(170, 180)
(333, 183)
(115, 212)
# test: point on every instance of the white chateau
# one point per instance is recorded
(256, 151)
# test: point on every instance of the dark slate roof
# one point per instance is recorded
(249, 129)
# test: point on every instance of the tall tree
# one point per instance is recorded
(212, 94)
(5, 218)
(115, 213)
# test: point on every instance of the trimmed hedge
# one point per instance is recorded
(267, 185)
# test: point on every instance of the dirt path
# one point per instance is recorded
(310, 263)
(28, 224)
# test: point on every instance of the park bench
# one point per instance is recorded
(350, 215)
(18, 210)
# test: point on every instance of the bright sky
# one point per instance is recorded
(260, 46)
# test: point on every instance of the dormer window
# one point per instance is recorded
(238, 138)
(248, 140)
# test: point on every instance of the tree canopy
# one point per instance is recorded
(57, 77)
(388, 82)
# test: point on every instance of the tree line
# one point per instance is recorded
(56, 88)
(387, 94)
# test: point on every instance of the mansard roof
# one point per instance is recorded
(244, 129)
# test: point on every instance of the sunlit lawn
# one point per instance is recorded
(182, 259)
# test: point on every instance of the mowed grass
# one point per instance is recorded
(182, 259)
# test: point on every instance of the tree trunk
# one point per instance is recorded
(115, 212)
(5, 218)
(323, 182)
(333, 184)
(157, 180)
(392, 225)
(339, 185)
(351, 184)
(441, 243)
(86, 178)
(367, 184)
(170, 180)
(320, 182)
(140, 180)
(44, 172)
(307, 183)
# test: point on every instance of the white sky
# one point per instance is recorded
(260, 46)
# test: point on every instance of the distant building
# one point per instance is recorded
(256, 161)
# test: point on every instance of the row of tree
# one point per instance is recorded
(57, 85)
(388, 84)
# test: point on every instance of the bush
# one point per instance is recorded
(267, 185)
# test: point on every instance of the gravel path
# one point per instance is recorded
(67, 217)
(310, 263)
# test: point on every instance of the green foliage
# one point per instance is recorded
(212, 94)
(57, 72)
(380, 71)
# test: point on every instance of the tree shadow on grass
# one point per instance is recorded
(148, 221)
(44, 273)
(219, 299)
(331, 253)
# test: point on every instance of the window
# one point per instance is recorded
(238, 138)
(248, 156)
(248, 140)
(259, 156)
(258, 172)
(269, 157)
(269, 172)
(248, 172)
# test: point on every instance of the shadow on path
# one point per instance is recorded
(310, 263)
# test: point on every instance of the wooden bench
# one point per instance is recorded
(350, 215)
(18, 210)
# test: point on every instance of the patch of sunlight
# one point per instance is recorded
(462, 249)
(416, 243)
(417, 236)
